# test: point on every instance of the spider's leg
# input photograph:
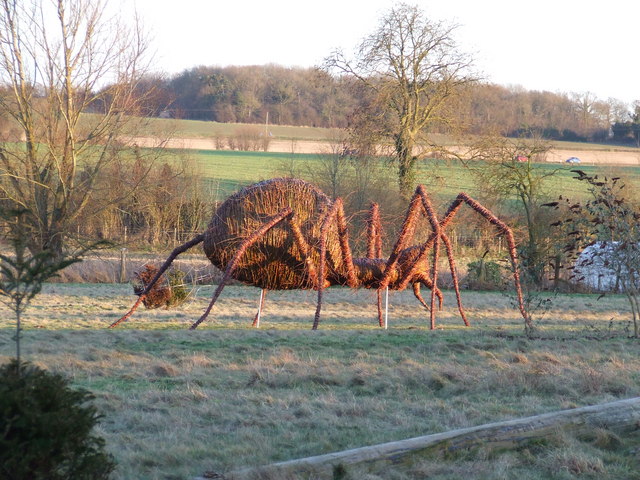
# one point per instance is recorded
(256, 319)
(448, 217)
(503, 229)
(374, 232)
(416, 292)
(303, 246)
(454, 276)
(374, 246)
(176, 251)
(345, 249)
(250, 240)
(406, 232)
(336, 212)
(426, 281)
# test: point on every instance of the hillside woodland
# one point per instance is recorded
(312, 97)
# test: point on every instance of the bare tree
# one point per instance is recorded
(71, 75)
(512, 167)
(413, 65)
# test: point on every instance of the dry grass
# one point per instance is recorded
(177, 403)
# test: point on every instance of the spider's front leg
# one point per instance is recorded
(504, 230)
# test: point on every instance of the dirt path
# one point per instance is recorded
(282, 146)
(596, 157)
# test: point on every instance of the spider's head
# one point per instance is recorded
(407, 260)
(370, 270)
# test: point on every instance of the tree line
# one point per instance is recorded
(313, 97)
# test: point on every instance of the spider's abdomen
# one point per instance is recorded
(274, 262)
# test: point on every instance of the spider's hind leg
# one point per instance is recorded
(233, 263)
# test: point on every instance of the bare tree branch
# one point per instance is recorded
(72, 73)
(412, 65)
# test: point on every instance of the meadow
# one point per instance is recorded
(224, 172)
(178, 403)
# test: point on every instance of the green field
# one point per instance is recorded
(177, 403)
(224, 172)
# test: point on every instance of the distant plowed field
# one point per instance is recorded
(596, 155)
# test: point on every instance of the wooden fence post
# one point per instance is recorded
(123, 265)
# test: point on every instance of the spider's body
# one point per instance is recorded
(274, 261)
(285, 234)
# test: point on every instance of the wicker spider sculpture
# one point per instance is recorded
(285, 234)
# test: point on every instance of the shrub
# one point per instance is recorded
(484, 275)
(179, 292)
(168, 291)
(46, 428)
(160, 293)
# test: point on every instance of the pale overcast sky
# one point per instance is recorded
(555, 45)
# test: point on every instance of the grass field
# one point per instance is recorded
(177, 403)
(197, 128)
(224, 172)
